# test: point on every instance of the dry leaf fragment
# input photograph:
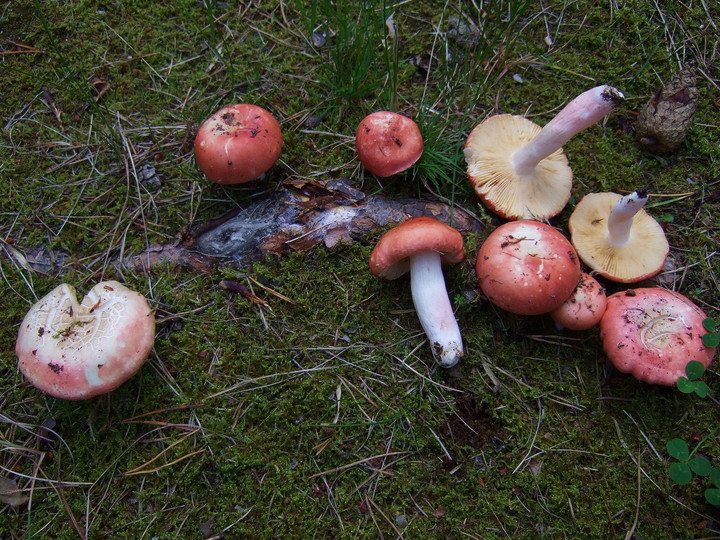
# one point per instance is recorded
(439, 512)
(10, 494)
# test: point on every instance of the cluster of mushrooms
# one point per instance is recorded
(528, 267)
(77, 350)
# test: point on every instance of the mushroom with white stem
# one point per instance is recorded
(617, 238)
(518, 169)
(420, 246)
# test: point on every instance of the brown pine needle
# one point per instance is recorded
(162, 424)
(156, 469)
(133, 471)
(271, 291)
(22, 49)
(394, 528)
(166, 410)
(354, 463)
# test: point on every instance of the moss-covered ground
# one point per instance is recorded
(322, 415)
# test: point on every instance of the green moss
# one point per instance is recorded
(325, 415)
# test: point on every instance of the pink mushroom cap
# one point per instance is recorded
(527, 267)
(585, 306)
(653, 333)
(78, 351)
(238, 143)
(391, 257)
(388, 143)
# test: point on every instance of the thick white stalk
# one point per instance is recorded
(585, 110)
(433, 308)
(622, 215)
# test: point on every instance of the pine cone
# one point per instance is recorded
(663, 123)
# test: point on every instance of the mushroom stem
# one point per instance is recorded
(621, 216)
(433, 308)
(582, 112)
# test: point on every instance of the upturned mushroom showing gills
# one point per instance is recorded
(78, 351)
(653, 333)
(519, 170)
(527, 267)
(388, 143)
(238, 144)
(420, 246)
(616, 238)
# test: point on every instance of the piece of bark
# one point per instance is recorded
(298, 217)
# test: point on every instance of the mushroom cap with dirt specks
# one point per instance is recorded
(390, 258)
(652, 333)
(488, 153)
(77, 351)
(641, 257)
(238, 144)
(388, 143)
(585, 306)
(527, 267)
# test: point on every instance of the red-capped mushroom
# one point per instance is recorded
(420, 246)
(77, 351)
(527, 267)
(518, 169)
(238, 143)
(653, 333)
(585, 306)
(388, 143)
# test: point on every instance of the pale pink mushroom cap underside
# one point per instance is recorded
(77, 351)
(652, 333)
(488, 153)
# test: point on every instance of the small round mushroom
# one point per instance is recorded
(388, 143)
(653, 333)
(78, 351)
(527, 267)
(585, 306)
(420, 246)
(518, 169)
(238, 143)
(616, 238)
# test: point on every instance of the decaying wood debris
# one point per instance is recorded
(299, 216)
